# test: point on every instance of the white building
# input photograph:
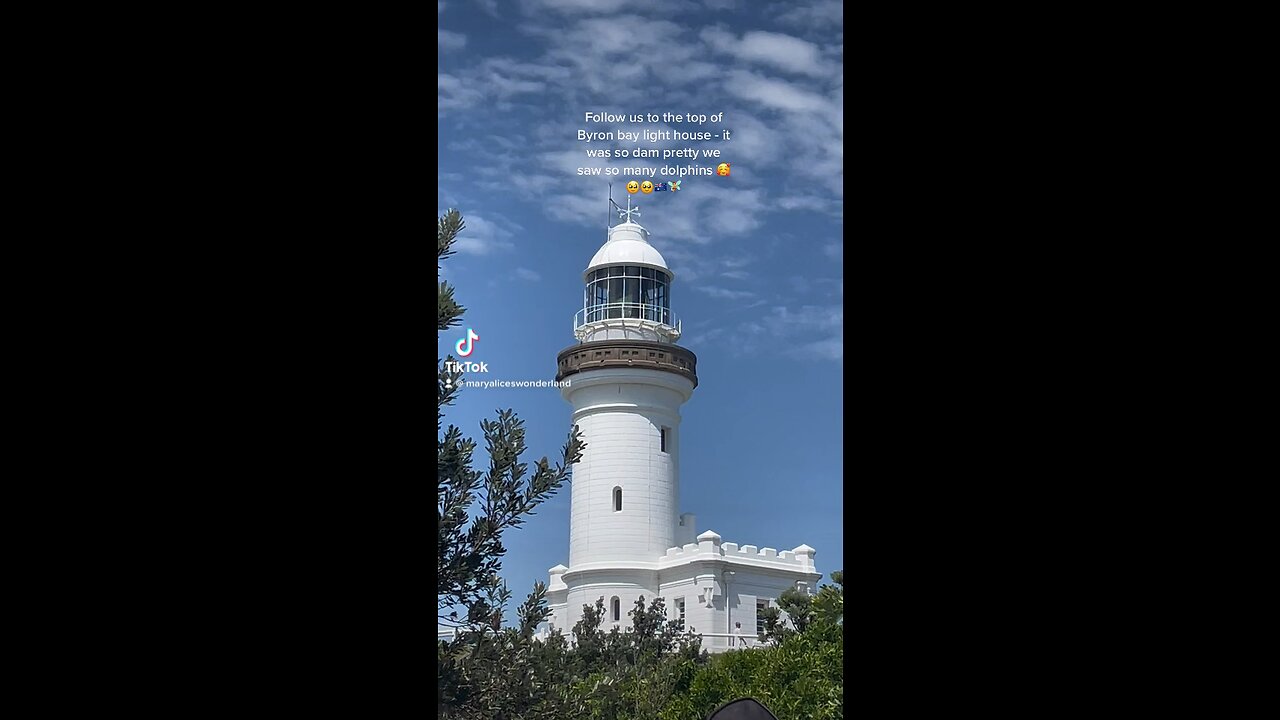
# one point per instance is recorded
(627, 538)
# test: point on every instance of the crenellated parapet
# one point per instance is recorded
(710, 547)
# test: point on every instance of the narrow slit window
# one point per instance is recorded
(662, 439)
(680, 613)
(617, 499)
(760, 606)
(617, 609)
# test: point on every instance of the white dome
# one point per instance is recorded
(628, 245)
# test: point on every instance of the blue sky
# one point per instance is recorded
(757, 256)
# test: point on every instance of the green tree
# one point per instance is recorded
(801, 678)
(798, 675)
(485, 672)
(828, 606)
(633, 675)
(797, 611)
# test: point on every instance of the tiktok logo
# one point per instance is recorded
(469, 342)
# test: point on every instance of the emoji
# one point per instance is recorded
(674, 186)
(632, 187)
(723, 169)
(646, 187)
(660, 187)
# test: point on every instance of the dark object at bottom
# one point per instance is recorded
(743, 709)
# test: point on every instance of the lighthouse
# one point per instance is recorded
(626, 380)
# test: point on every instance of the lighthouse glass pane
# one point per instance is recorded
(597, 297)
(632, 287)
(615, 272)
(615, 296)
(646, 273)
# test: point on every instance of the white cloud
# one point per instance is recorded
(482, 236)
(753, 142)
(520, 118)
(623, 58)
(691, 262)
(490, 7)
(775, 93)
(808, 331)
(828, 349)
(715, 211)
(804, 202)
(776, 50)
(527, 274)
(452, 93)
(806, 318)
(723, 293)
(574, 6)
(833, 250)
(450, 40)
(820, 15)
(505, 77)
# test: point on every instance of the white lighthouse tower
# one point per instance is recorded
(627, 380)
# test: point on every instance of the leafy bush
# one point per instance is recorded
(801, 678)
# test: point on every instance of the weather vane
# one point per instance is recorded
(626, 214)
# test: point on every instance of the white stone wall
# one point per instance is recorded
(733, 577)
(625, 585)
(621, 413)
(745, 587)
(736, 576)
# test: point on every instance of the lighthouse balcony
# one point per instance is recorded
(626, 320)
(625, 310)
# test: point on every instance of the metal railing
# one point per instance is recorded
(735, 641)
(749, 642)
(622, 311)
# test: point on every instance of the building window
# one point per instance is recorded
(662, 439)
(616, 607)
(760, 606)
(680, 614)
(617, 499)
